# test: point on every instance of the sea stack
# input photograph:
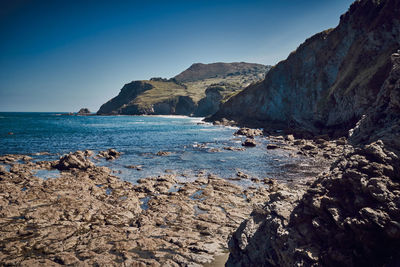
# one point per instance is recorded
(84, 111)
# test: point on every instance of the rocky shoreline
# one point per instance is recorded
(89, 216)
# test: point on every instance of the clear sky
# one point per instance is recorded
(61, 55)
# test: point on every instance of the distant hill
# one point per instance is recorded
(199, 71)
(186, 93)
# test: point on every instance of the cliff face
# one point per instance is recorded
(382, 121)
(181, 94)
(128, 93)
(331, 79)
(215, 94)
(349, 216)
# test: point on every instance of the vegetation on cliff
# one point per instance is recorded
(181, 94)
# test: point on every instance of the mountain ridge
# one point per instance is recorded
(199, 71)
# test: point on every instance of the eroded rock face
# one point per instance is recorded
(128, 93)
(211, 102)
(350, 216)
(383, 119)
(330, 81)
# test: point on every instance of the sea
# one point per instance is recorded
(195, 146)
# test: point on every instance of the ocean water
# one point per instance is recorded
(140, 138)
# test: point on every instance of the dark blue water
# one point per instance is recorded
(140, 138)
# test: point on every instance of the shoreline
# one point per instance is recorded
(159, 220)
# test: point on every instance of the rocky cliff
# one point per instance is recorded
(181, 94)
(215, 95)
(327, 84)
(128, 94)
(349, 216)
(382, 121)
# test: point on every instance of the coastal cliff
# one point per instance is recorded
(350, 215)
(183, 94)
(327, 84)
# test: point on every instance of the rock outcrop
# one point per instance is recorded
(84, 111)
(77, 160)
(349, 216)
(249, 132)
(249, 142)
(109, 154)
(329, 82)
(186, 93)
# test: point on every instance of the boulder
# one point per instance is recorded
(109, 154)
(163, 153)
(289, 138)
(272, 146)
(249, 142)
(248, 132)
(231, 148)
(243, 175)
(77, 160)
(224, 122)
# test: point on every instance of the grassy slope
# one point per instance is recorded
(164, 90)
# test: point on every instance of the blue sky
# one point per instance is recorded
(63, 55)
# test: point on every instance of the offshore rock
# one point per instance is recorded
(84, 111)
(163, 153)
